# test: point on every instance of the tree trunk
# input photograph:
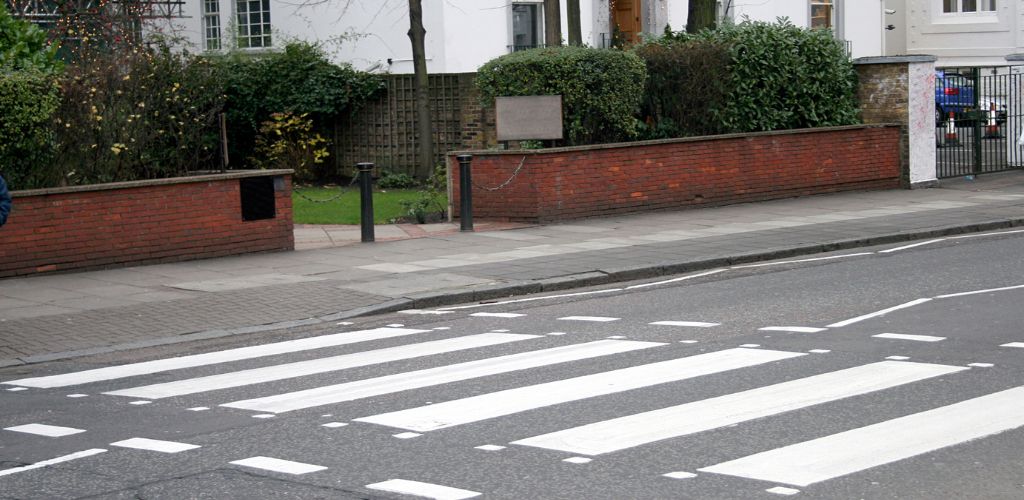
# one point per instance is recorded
(424, 130)
(572, 8)
(552, 23)
(700, 14)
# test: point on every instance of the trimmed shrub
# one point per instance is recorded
(28, 100)
(687, 86)
(600, 88)
(783, 77)
(299, 80)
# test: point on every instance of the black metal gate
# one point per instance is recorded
(977, 111)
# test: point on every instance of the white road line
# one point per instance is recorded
(696, 324)
(496, 315)
(578, 460)
(596, 319)
(278, 465)
(851, 321)
(315, 366)
(794, 329)
(531, 299)
(675, 421)
(676, 280)
(333, 425)
(855, 450)
(489, 447)
(781, 490)
(210, 358)
(423, 312)
(903, 336)
(975, 292)
(53, 461)
(680, 475)
(155, 445)
(798, 261)
(1013, 344)
(435, 376)
(929, 242)
(420, 489)
(485, 406)
(45, 430)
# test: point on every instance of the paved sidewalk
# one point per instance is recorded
(411, 267)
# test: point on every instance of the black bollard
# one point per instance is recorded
(366, 200)
(465, 193)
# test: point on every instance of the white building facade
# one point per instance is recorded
(962, 33)
(464, 34)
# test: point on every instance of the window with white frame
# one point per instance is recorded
(253, 23)
(211, 24)
(822, 14)
(968, 6)
(527, 25)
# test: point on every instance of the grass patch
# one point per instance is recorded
(387, 205)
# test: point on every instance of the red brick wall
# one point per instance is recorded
(143, 222)
(567, 183)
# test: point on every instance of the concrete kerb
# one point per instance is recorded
(506, 290)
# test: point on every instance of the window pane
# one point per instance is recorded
(949, 6)
(970, 5)
(525, 26)
(988, 5)
(821, 15)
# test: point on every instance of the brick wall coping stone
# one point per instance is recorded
(654, 142)
(895, 59)
(232, 174)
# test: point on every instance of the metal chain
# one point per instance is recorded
(506, 183)
(344, 191)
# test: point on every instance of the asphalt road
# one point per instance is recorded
(749, 382)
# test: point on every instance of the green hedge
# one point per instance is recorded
(299, 80)
(28, 101)
(784, 77)
(600, 88)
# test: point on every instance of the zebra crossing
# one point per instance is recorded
(799, 464)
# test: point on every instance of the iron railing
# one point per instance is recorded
(977, 110)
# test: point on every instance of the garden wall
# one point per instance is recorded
(566, 183)
(150, 221)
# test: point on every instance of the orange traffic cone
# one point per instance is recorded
(992, 128)
(951, 137)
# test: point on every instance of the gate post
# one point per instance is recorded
(901, 90)
(1014, 120)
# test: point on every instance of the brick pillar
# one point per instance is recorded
(901, 90)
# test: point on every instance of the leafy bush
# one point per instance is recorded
(137, 114)
(395, 180)
(687, 84)
(288, 141)
(28, 101)
(298, 80)
(23, 46)
(782, 77)
(600, 88)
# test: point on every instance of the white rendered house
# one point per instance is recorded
(961, 33)
(464, 34)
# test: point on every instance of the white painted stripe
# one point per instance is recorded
(696, 324)
(423, 312)
(315, 366)
(851, 321)
(210, 358)
(1013, 344)
(435, 376)
(496, 404)
(799, 261)
(17, 389)
(980, 365)
(420, 489)
(794, 329)
(496, 315)
(45, 430)
(680, 475)
(578, 460)
(781, 490)
(597, 319)
(898, 358)
(903, 336)
(675, 421)
(897, 249)
(490, 447)
(531, 299)
(855, 450)
(676, 280)
(155, 445)
(53, 461)
(333, 425)
(406, 435)
(975, 292)
(278, 465)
